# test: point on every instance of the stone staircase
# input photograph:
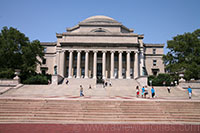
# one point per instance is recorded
(117, 83)
(98, 111)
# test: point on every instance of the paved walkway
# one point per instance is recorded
(98, 128)
(97, 92)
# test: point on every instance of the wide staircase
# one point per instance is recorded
(98, 111)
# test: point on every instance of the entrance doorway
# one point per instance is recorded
(99, 73)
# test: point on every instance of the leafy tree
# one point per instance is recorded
(17, 52)
(184, 55)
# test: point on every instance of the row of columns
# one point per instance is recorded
(136, 63)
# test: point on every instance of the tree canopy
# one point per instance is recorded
(184, 55)
(18, 52)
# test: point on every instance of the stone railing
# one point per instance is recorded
(9, 82)
(142, 80)
(193, 84)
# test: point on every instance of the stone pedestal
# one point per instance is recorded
(56, 79)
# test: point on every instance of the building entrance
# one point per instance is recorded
(99, 73)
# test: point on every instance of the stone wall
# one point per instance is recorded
(9, 82)
(142, 80)
(193, 84)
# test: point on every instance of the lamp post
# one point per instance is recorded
(150, 82)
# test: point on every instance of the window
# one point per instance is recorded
(123, 72)
(83, 71)
(43, 71)
(131, 72)
(154, 62)
(82, 57)
(67, 70)
(99, 30)
(155, 72)
(75, 57)
(116, 58)
(67, 57)
(154, 51)
(123, 58)
(74, 71)
(132, 58)
(115, 72)
(44, 61)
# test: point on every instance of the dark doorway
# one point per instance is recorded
(99, 73)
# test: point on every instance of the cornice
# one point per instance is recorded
(59, 35)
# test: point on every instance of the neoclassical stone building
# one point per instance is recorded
(101, 47)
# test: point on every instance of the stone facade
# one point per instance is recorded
(101, 47)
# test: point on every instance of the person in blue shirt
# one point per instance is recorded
(143, 90)
(189, 92)
(152, 92)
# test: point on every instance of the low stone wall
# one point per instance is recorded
(142, 80)
(193, 84)
(9, 82)
(57, 79)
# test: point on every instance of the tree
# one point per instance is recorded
(17, 52)
(184, 55)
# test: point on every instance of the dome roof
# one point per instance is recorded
(99, 18)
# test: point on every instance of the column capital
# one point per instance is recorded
(78, 51)
(104, 51)
(136, 52)
(120, 51)
(128, 51)
(112, 51)
(71, 50)
(95, 51)
(87, 51)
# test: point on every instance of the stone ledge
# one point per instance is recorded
(2, 91)
(9, 82)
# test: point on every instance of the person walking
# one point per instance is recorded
(67, 82)
(137, 91)
(146, 91)
(189, 92)
(90, 87)
(169, 89)
(143, 90)
(81, 91)
(152, 92)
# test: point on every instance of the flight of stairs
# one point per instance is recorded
(98, 111)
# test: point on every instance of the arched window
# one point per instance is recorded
(99, 30)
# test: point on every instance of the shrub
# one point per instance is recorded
(7, 74)
(158, 80)
(37, 79)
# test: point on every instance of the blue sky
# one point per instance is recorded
(158, 20)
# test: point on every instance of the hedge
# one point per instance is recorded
(158, 80)
(37, 79)
(7, 74)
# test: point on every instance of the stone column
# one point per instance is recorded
(128, 64)
(136, 65)
(112, 65)
(70, 63)
(62, 63)
(141, 62)
(104, 64)
(120, 65)
(78, 64)
(95, 65)
(86, 64)
(58, 61)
